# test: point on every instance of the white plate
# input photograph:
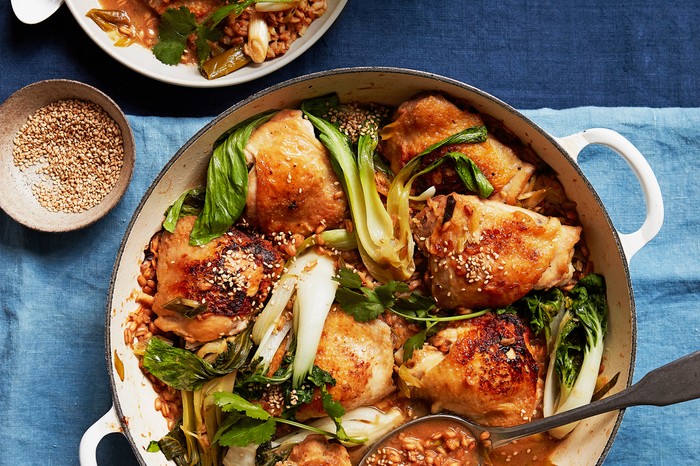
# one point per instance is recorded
(141, 60)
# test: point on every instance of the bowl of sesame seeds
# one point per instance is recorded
(66, 155)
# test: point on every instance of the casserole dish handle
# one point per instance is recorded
(631, 242)
(107, 424)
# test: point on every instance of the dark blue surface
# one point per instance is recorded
(53, 288)
(530, 54)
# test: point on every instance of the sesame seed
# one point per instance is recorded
(77, 151)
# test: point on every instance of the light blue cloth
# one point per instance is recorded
(53, 290)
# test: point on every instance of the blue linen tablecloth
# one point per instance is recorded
(532, 54)
(53, 292)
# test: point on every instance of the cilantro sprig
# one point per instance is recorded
(248, 422)
(177, 25)
(366, 304)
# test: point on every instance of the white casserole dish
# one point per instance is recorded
(133, 413)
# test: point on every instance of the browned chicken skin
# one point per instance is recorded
(231, 274)
(485, 253)
(421, 122)
(486, 369)
(315, 450)
(359, 356)
(292, 185)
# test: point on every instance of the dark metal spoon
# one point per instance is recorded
(676, 382)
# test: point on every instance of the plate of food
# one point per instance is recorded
(352, 249)
(205, 43)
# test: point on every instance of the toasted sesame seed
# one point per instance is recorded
(76, 149)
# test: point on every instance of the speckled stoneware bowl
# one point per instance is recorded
(16, 196)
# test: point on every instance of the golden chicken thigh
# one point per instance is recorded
(426, 120)
(231, 275)
(292, 185)
(484, 253)
(486, 369)
(315, 450)
(359, 356)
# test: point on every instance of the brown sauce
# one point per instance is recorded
(431, 442)
(533, 450)
(448, 443)
(144, 19)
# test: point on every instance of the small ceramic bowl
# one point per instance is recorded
(20, 188)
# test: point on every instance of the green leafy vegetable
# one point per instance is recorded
(366, 304)
(314, 298)
(177, 25)
(186, 307)
(578, 350)
(227, 184)
(271, 454)
(247, 431)
(470, 174)
(189, 203)
(184, 370)
(418, 340)
(384, 238)
(360, 423)
(541, 308)
(252, 424)
(233, 402)
(173, 446)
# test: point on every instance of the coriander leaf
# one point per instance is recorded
(181, 20)
(247, 431)
(413, 343)
(320, 377)
(228, 402)
(175, 27)
(204, 36)
(332, 407)
(348, 279)
(415, 303)
(418, 340)
(358, 305)
(229, 420)
(335, 411)
(386, 294)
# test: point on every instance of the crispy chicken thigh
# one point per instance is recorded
(292, 185)
(485, 253)
(315, 450)
(421, 122)
(359, 356)
(486, 369)
(232, 275)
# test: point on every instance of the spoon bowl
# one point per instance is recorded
(34, 11)
(675, 382)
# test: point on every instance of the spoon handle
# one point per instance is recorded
(675, 382)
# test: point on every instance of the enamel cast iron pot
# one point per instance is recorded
(133, 412)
